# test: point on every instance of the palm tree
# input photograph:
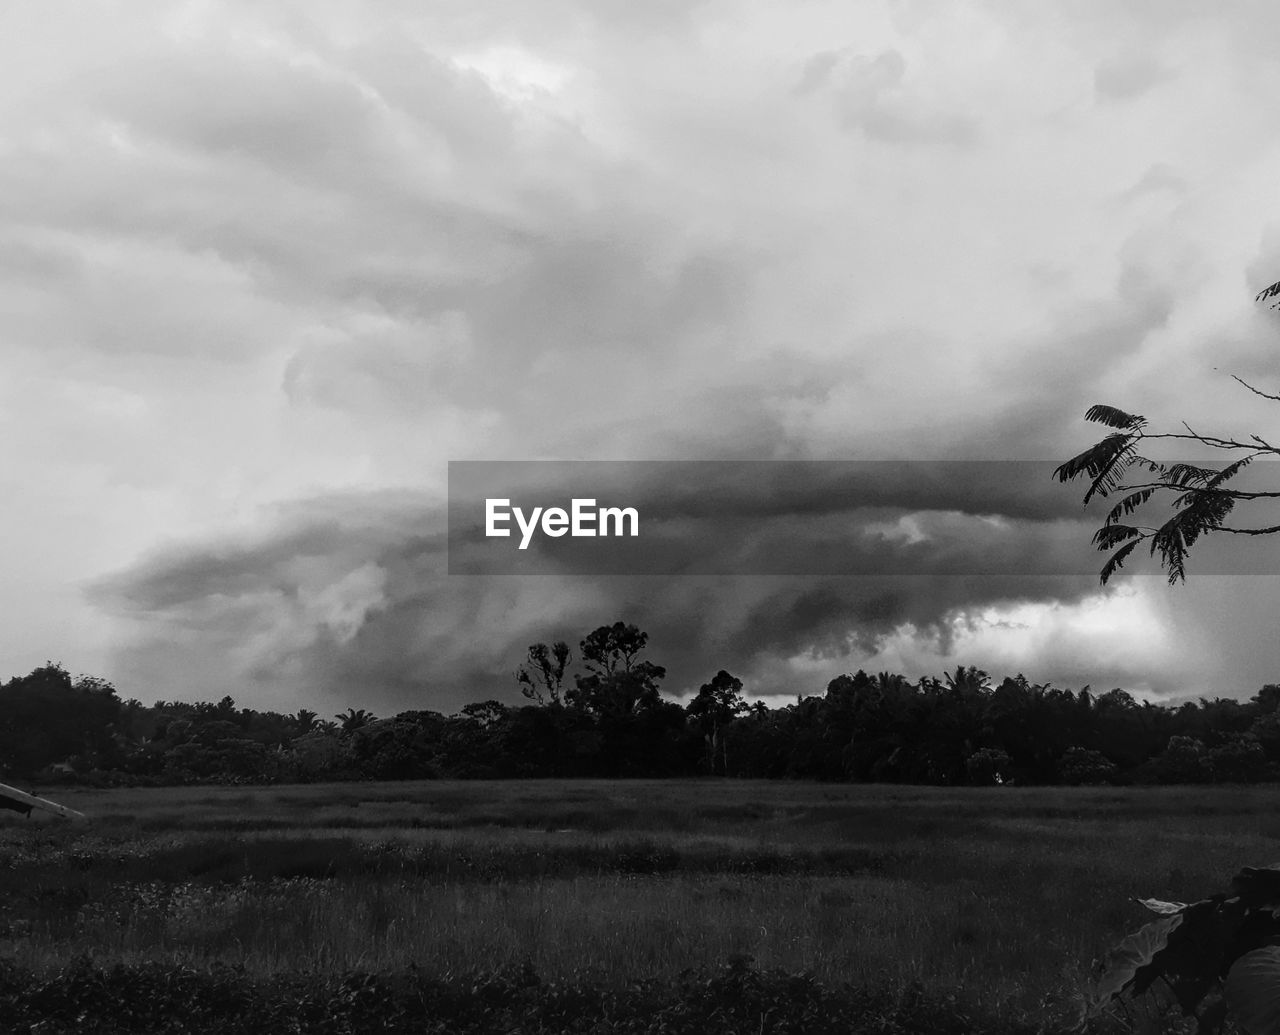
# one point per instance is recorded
(971, 680)
(353, 718)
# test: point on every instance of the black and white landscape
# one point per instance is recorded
(268, 269)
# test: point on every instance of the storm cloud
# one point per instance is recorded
(266, 270)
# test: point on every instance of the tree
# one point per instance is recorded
(1201, 497)
(47, 716)
(987, 767)
(1084, 766)
(486, 713)
(613, 647)
(353, 719)
(971, 680)
(617, 682)
(716, 705)
(543, 680)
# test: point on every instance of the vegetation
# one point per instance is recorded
(135, 1000)
(1217, 959)
(496, 903)
(1201, 497)
(614, 722)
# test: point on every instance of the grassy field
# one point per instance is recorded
(1002, 897)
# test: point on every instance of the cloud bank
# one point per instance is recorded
(265, 271)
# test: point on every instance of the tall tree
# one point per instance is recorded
(716, 705)
(617, 681)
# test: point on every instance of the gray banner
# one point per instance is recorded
(785, 517)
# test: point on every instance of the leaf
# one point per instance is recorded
(1269, 292)
(1163, 908)
(1129, 504)
(1133, 964)
(1116, 561)
(1230, 471)
(1186, 949)
(1109, 536)
(1105, 462)
(1181, 475)
(1114, 418)
(1204, 512)
(1253, 991)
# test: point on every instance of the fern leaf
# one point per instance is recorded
(1180, 476)
(1204, 511)
(1269, 292)
(1129, 504)
(1105, 462)
(1109, 472)
(1109, 536)
(1116, 561)
(1114, 418)
(1230, 471)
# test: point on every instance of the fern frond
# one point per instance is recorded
(1114, 418)
(1179, 476)
(1116, 561)
(1204, 512)
(1110, 536)
(1129, 504)
(1167, 542)
(1269, 292)
(1105, 462)
(1229, 472)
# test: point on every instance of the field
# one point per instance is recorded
(996, 902)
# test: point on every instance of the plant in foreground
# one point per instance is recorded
(1219, 958)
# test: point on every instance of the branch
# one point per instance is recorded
(1236, 494)
(1218, 443)
(1255, 391)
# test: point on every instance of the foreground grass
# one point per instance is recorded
(734, 1000)
(998, 901)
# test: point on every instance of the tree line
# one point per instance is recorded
(610, 719)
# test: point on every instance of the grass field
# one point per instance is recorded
(1004, 897)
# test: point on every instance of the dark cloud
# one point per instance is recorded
(355, 603)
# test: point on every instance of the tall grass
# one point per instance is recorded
(1007, 894)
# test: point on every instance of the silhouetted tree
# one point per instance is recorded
(542, 679)
(716, 705)
(353, 719)
(46, 717)
(617, 682)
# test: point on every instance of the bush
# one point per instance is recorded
(1084, 766)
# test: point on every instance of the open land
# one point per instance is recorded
(990, 905)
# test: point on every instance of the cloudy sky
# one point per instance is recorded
(265, 268)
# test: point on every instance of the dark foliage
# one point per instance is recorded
(737, 998)
(1217, 959)
(961, 729)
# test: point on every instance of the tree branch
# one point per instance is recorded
(1256, 391)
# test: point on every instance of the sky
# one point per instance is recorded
(267, 268)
